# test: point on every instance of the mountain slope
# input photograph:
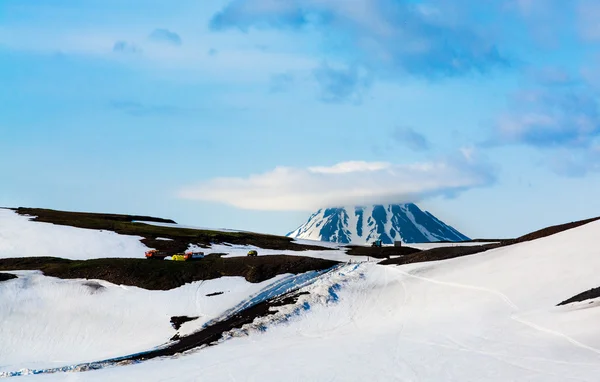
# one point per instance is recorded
(396, 222)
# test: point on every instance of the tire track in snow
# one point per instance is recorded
(398, 350)
(498, 357)
(511, 304)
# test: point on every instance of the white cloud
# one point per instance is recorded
(349, 167)
(347, 183)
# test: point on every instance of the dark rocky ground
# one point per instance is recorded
(181, 238)
(7, 276)
(382, 252)
(587, 295)
(177, 321)
(164, 275)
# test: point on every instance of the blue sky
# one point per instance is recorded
(251, 113)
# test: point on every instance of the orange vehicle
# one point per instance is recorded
(155, 254)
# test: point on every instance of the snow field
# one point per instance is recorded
(486, 317)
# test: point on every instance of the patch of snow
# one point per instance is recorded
(164, 239)
(21, 237)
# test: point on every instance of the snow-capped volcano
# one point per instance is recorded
(396, 222)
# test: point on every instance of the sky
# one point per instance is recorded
(251, 114)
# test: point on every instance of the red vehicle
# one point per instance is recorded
(155, 254)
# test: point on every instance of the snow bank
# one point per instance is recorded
(21, 237)
(234, 250)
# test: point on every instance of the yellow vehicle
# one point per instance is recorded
(188, 256)
(252, 253)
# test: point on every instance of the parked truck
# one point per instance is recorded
(155, 254)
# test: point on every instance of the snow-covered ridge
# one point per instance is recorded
(360, 225)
